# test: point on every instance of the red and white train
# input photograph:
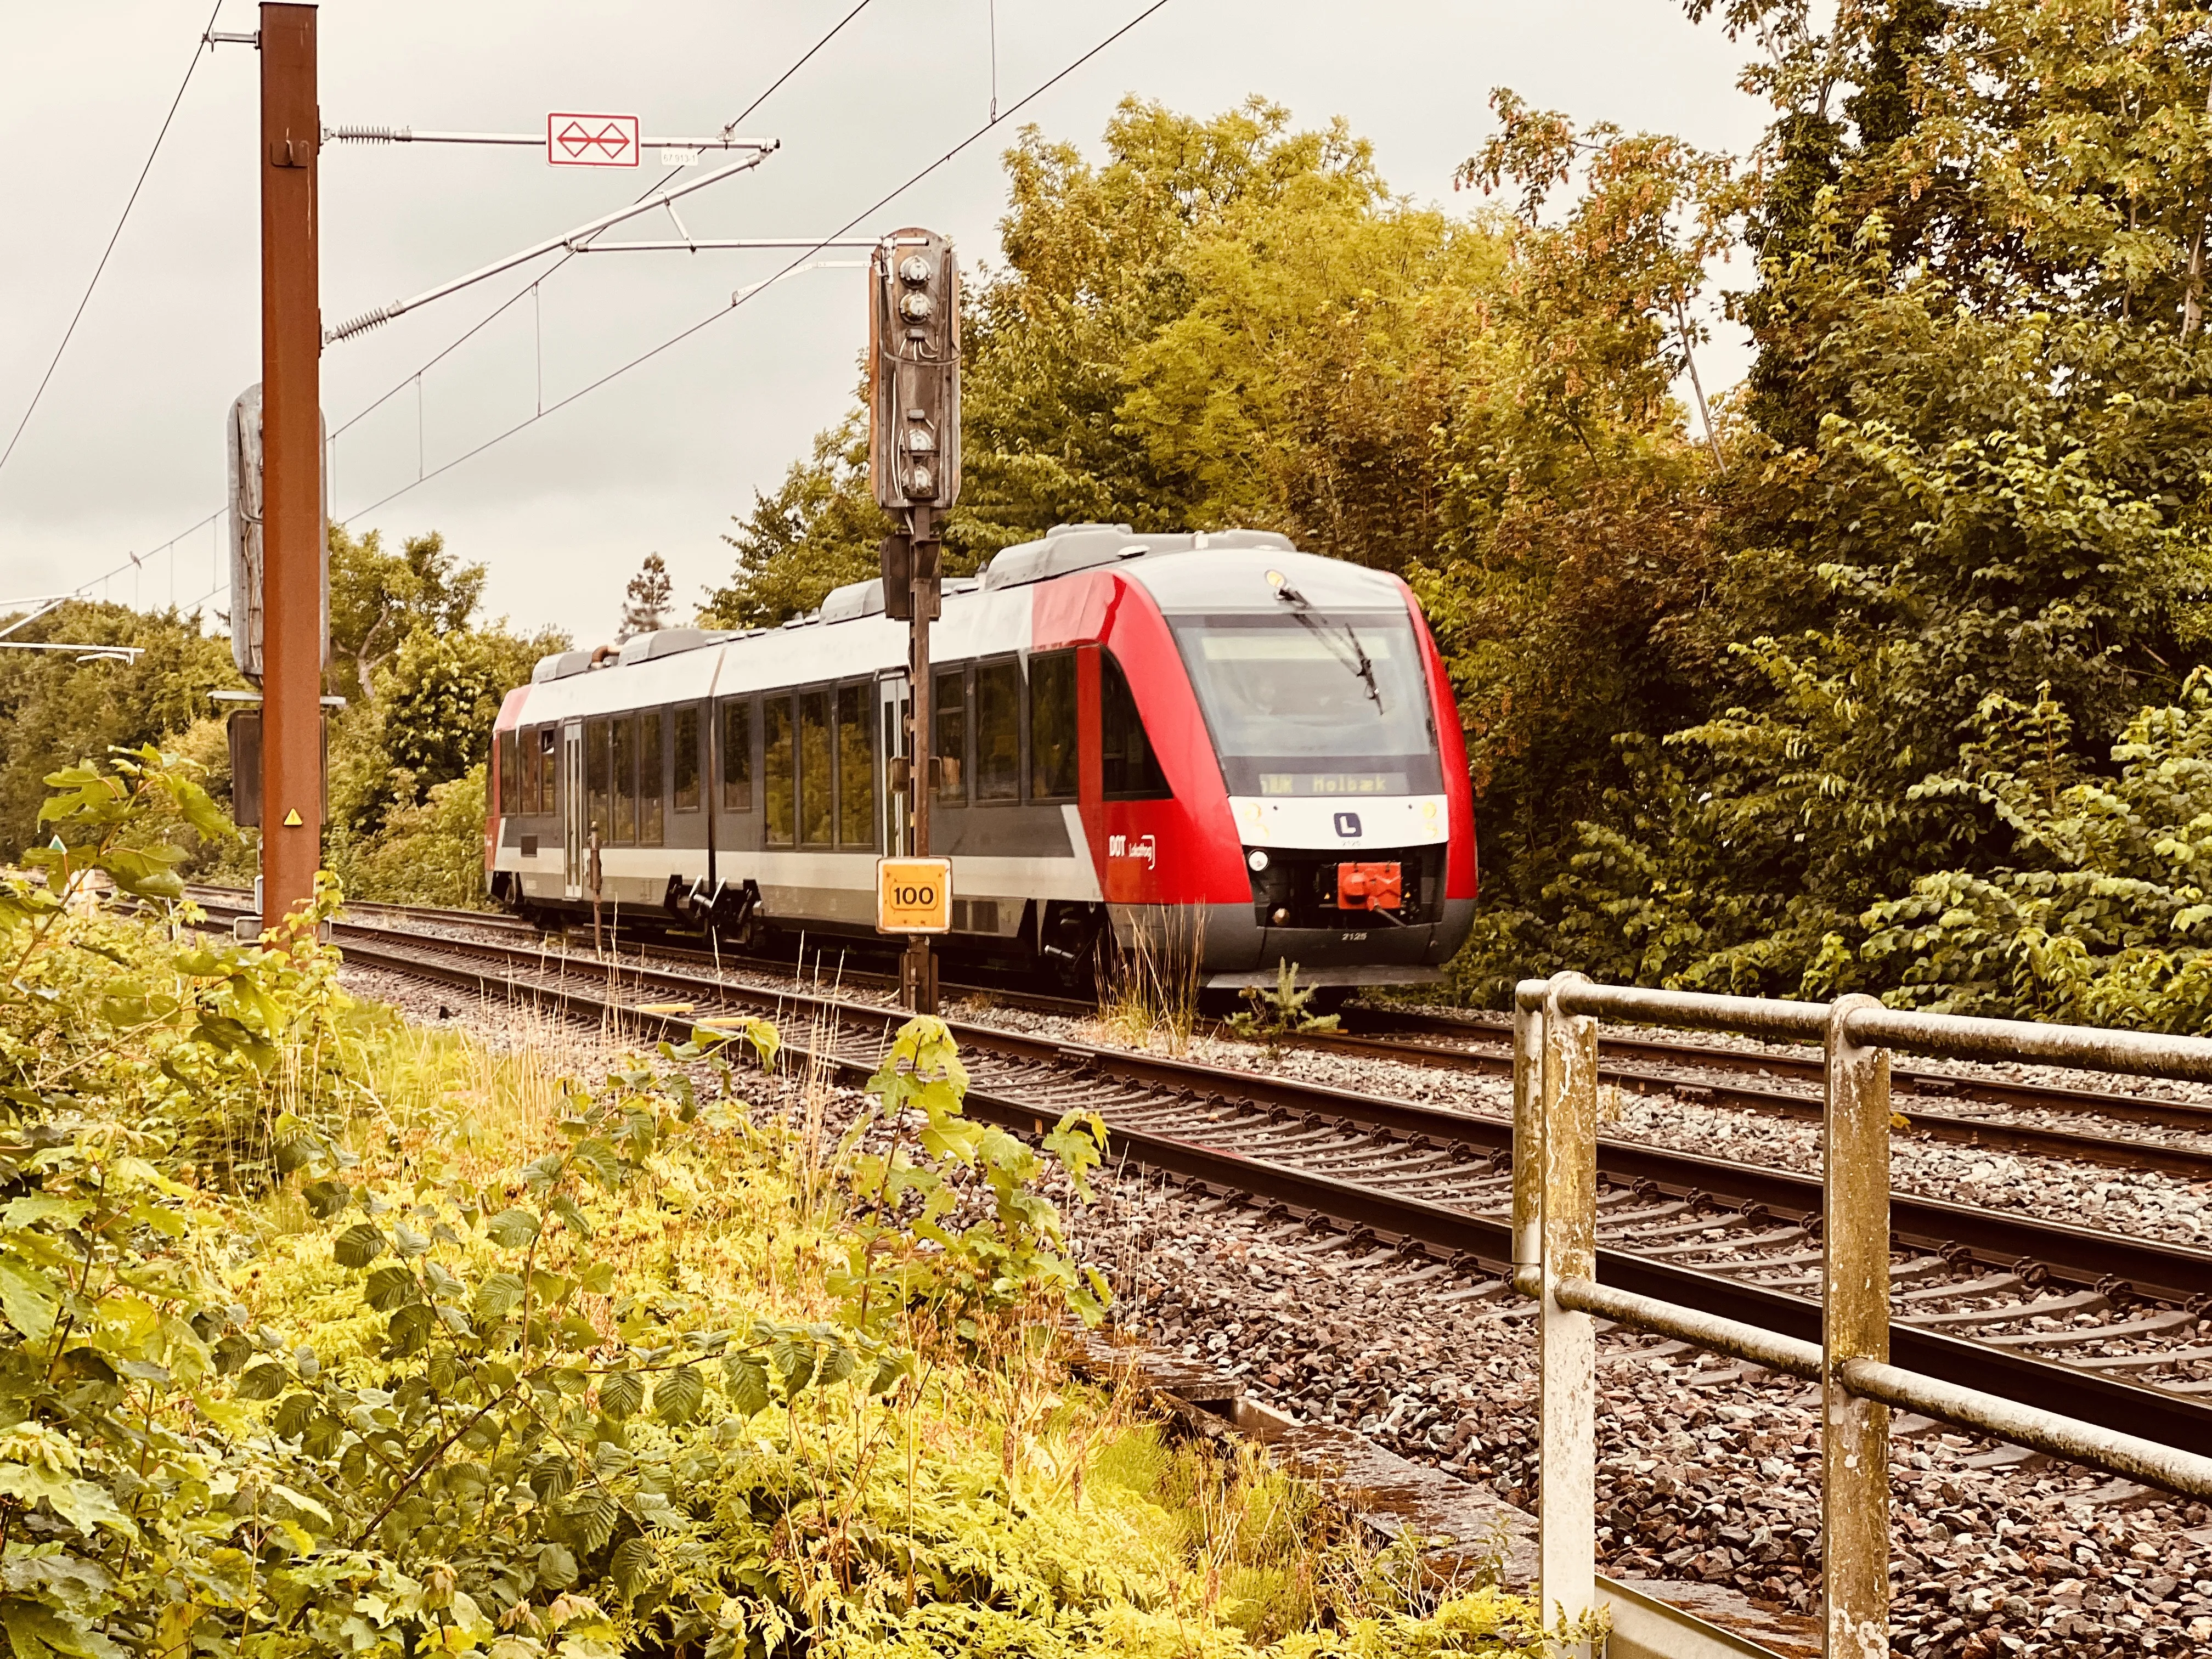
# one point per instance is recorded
(1210, 739)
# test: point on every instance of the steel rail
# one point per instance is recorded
(1374, 1037)
(2079, 1254)
(2120, 1152)
(2103, 1401)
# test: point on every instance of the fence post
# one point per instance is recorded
(1528, 1125)
(1567, 1512)
(1855, 1325)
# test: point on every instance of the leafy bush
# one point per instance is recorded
(321, 1334)
(2103, 917)
(426, 851)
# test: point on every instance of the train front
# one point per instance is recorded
(1345, 799)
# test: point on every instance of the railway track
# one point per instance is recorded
(1714, 1075)
(2098, 1326)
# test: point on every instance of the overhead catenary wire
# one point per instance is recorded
(533, 286)
(746, 294)
(114, 236)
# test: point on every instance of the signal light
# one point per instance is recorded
(914, 367)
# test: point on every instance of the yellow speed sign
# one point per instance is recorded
(913, 895)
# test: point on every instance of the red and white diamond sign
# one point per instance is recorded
(591, 141)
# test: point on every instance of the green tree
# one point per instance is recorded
(378, 598)
(1973, 476)
(443, 694)
(646, 600)
(59, 706)
(821, 528)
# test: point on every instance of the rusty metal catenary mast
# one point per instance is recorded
(291, 379)
(914, 460)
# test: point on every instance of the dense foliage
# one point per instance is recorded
(1742, 685)
(422, 677)
(319, 1335)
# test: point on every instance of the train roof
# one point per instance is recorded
(1178, 584)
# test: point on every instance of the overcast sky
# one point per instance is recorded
(125, 449)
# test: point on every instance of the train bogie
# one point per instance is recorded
(1213, 745)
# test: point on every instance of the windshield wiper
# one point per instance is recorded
(1359, 662)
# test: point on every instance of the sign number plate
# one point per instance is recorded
(913, 895)
(591, 141)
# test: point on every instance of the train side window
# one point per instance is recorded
(625, 753)
(776, 766)
(816, 779)
(683, 796)
(510, 787)
(1130, 771)
(949, 705)
(738, 754)
(598, 737)
(525, 800)
(549, 743)
(651, 777)
(1052, 726)
(999, 730)
(856, 768)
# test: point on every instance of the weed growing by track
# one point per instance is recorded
(325, 1334)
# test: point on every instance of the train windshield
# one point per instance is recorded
(1311, 702)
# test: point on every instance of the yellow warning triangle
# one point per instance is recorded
(292, 818)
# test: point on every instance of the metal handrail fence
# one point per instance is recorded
(1555, 1118)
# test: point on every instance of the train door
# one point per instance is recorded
(573, 808)
(894, 706)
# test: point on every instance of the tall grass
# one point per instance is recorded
(1148, 984)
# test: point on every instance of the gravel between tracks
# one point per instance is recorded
(2145, 1204)
(1709, 1471)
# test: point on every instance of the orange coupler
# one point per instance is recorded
(1369, 887)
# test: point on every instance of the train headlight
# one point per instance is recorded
(1257, 858)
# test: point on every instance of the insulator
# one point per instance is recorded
(361, 324)
(372, 135)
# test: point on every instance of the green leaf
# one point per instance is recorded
(410, 1327)
(557, 1569)
(302, 1503)
(632, 1566)
(598, 1278)
(390, 1287)
(144, 872)
(294, 1414)
(590, 1520)
(513, 1229)
(232, 1351)
(889, 1369)
(357, 1246)
(746, 1380)
(28, 1211)
(262, 1382)
(677, 1395)
(621, 1394)
(27, 1299)
(500, 1295)
(35, 1632)
(326, 1199)
(838, 1362)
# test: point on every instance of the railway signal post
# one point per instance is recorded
(913, 461)
(292, 506)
